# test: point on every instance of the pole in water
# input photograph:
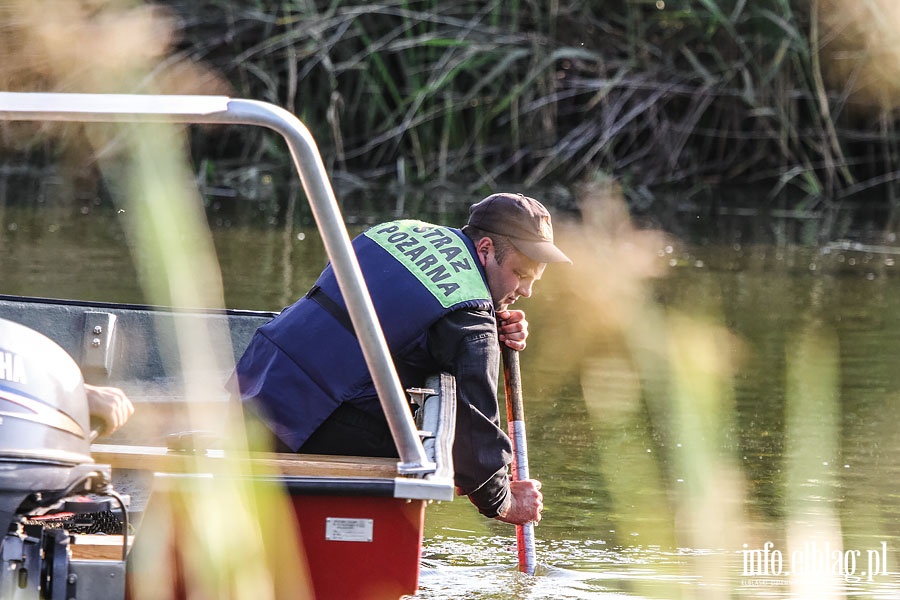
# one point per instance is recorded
(515, 417)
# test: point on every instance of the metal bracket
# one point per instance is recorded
(418, 395)
(417, 398)
(98, 335)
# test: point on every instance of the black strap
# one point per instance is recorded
(331, 307)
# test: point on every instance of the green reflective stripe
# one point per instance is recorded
(436, 256)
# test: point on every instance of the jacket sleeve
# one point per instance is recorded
(464, 343)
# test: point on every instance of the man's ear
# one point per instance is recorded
(483, 248)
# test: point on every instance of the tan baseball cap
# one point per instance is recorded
(523, 220)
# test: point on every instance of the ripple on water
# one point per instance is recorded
(484, 567)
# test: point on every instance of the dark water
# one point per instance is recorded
(724, 429)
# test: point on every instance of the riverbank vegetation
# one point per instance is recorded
(774, 94)
(791, 99)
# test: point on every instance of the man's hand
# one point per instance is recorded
(512, 328)
(108, 405)
(526, 503)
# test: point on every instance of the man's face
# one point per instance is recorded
(510, 279)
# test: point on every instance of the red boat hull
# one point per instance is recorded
(361, 547)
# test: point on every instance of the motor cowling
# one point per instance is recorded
(43, 405)
(44, 422)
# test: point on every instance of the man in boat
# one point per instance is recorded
(442, 296)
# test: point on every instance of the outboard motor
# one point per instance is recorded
(44, 460)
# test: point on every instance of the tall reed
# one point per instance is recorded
(791, 97)
(690, 93)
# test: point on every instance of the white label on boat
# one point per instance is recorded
(348, 530)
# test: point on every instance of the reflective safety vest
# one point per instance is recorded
(302, 365)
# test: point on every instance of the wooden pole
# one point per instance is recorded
(515, 416)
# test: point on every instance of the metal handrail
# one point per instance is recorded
(20, 106)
